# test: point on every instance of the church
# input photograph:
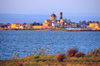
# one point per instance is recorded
(53, 22)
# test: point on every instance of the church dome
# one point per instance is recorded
(53, 15)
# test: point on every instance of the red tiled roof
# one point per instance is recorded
(48, 23)
(49, 20)
(6, 24)
(94, 22)
(16, 23)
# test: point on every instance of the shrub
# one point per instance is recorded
(71, 52)
(36, 57)
(79, 54)
(60, 57)
(20, 64)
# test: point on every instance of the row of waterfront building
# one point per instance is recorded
(52, 23)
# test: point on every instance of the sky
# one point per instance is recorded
(47, 7)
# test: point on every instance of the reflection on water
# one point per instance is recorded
(24, 41)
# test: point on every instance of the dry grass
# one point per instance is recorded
(79, 54)
(61, 57)
(52, 61)
(20, 64)
(79, 59)
(71, 52)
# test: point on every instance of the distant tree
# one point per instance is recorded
(25, 23)
(84, 22)
(88, 22)
(8, 23)
(98, 22)
(3, 26)
(35, 23)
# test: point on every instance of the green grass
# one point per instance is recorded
(45, 60)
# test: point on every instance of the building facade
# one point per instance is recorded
(16, 26)
(94, 25)
(53, 22)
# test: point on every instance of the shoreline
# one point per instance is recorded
(54, 29)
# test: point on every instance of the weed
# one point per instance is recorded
(96, 51)
(15, 56)
(60, 57)
(41, 52)
(20, 64)
(71, 52)
(79, 54)
(36, 57)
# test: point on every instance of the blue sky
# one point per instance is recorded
(46, 7)
(76, 7)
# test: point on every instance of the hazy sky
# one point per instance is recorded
(46, 7)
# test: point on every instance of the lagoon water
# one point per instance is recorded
(25, 42)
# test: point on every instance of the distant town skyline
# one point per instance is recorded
(70, 8)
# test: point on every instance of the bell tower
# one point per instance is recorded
(61, 19)
(60, 15)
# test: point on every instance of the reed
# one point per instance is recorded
(71, 52)
(61, 57)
